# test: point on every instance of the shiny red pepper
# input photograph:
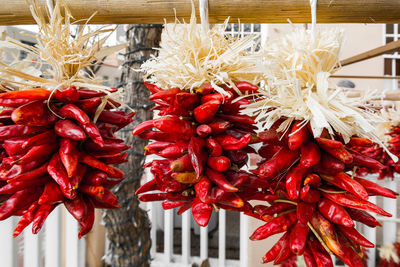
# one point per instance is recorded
(71, 111)
(335, 213)
(294, 180)
(206, 112)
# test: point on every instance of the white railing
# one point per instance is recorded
(56, 245)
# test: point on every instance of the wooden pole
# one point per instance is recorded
(384, 49)
(261, 11)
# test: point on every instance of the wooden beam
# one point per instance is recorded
(384, 49)
(365, 77)
(261, 11)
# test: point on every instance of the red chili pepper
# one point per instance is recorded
(219, 126)
(284, 254)
(206, 112)
(275, 250)
(168, 204)
(76, 207)
(344, 181)
(220, 164)
(217, 96)
(246, 87)
(244, 119)
(157, 136)
(77, 178)
(201, 212)
(304, 212)
(351, 201)
(360, 141)
(273, 209)
(299, 136)
(312, 180)
(33, 114)
(329, 165)
(214, 148)
(230, 143)
(90, 105)
(203, 130)
(275, 226)
(71, 111)
(146, 187)
(31, 94)
(327, 232)
(19, 201)
(69, 156)
(363, 217)
(58, 173)
(352, 258)
(283, 159)
(117, 159)
(141, 128)
(10, 131)
(26, 219)
(15, 186)
(340, 153)
(152, 88)
(68, 129)
(175, 126)
(31, 175)
(115, 117)
(181, 164)
(373, 188)
(365, 161)
(86, 223)
(14, 103)
(309, 195)
(203, 188)
(51, 194)
(294, 179)
(197, 154)
(37, 152)
(220, 180)
(310, 154)
(352, 234)
(322, 258)
(175, 151)
(108, 198)
(109, 145)
(68, 95)
(204, 89)
(16, 169)
(40, 216)
(335, 213)
(328, 143)
(185, 177)
(94, 163)
(94, 133)
(298, 238)
(308, 257)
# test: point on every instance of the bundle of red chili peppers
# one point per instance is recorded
(318, 201)
(205, 142)
(378, 153)
(50, 159)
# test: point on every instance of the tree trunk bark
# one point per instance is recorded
(128, 228)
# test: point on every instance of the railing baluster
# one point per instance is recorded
(203, 243)
(71, 241)
(244, 246)
(31, 249)
(389, 205)
(52, 239)
(186, 237)
(370, 234)
(222, 238)
(7, 245)
(168, 234)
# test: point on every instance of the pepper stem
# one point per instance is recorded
(285, 201)
(319, 238)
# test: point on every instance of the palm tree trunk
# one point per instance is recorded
(128, 228)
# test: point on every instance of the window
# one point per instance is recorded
(244, 29)
(392, 60)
